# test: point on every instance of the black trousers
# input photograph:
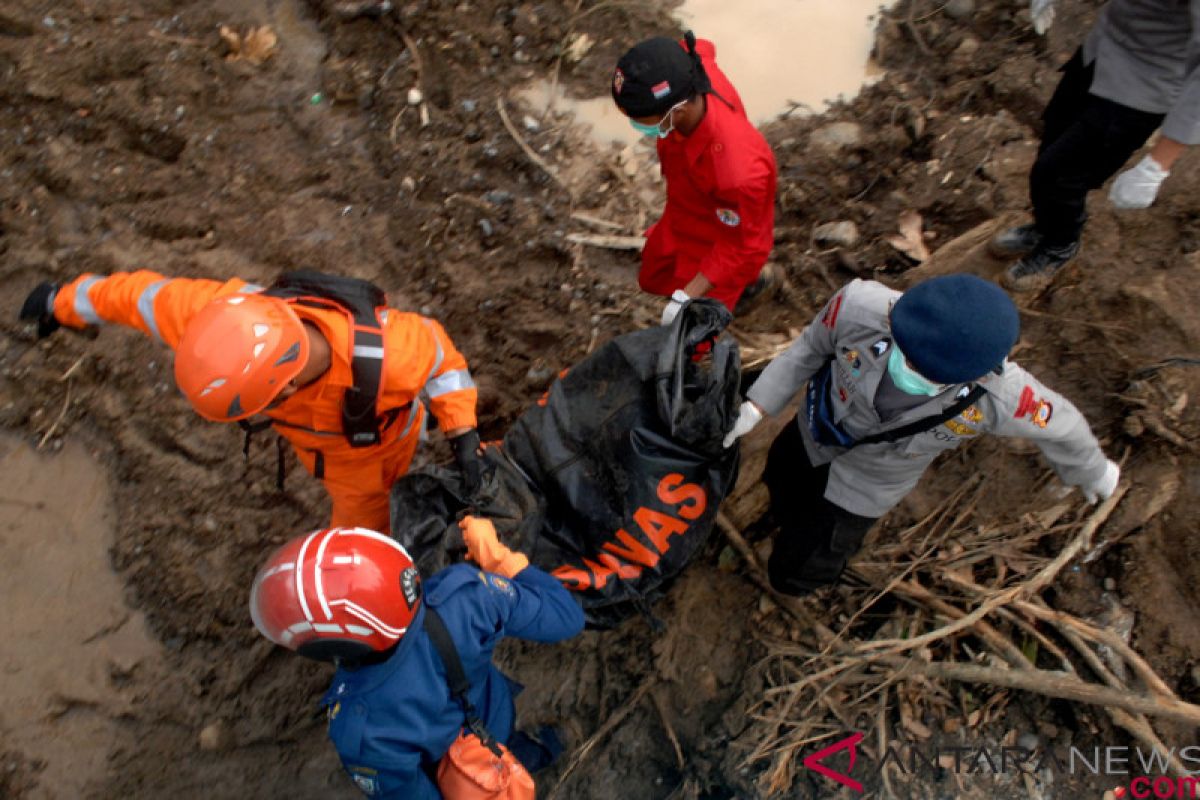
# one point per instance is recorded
(1085, 141)
(816, 537)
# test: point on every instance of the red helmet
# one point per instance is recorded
(238, 353)
(336, 594)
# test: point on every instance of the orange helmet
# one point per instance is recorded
(238, 353)
(336, 594)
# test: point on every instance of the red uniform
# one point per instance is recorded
(420, 365)
(720, 214)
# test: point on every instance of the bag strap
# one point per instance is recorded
(456, 678)
(925, 423)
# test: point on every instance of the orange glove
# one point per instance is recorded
(484, 548)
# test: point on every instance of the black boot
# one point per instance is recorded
(763, 287)
(1014, 242)
(1036, 270)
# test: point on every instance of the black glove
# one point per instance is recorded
(37, 306)
(466, 455)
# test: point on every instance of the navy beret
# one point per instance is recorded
(955, 328)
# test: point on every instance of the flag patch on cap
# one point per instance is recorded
(618, 80)
(660, 90)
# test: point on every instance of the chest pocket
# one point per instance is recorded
(347, 725)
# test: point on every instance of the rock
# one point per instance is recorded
(1109, 584)
(837, 234)
(539, 375)
(968, 47)
(212, 736)
(960, 9)
(1028, 741)
(415, 96)
(498, 197)
(836, 136)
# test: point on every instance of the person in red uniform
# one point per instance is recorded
(718, 227)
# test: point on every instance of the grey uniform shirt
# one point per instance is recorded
(1147, 56)
(870, 479)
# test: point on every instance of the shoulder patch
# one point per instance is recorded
(500, 584)
(829, 318)
(1037, 409)
(729, 217)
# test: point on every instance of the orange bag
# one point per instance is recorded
(471, 771)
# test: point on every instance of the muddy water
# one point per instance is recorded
(70, 642)
(782, 55)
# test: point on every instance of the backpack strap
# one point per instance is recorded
(456, 678)
(925, 423)
(361, 423)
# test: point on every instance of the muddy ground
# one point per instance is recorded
(129, 140)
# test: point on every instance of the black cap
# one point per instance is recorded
(657, 74)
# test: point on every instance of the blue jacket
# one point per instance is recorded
(392, 722)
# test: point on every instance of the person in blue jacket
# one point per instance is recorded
(354, 597)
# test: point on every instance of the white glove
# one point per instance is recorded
(678, 298)
(1043, 15)
(748, 417)
(1137, 187)
(1104, 486)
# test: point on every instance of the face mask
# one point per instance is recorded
(657, 130)
(907, 379)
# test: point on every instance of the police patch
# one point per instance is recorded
(729, 217)
(618, 80)
(410, 584)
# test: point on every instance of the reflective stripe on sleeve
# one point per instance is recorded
(83, 304)
(437, 361)
(453, 381)
(145, 306)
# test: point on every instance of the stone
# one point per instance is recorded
(968, 47)
(836, 136)
(836, 234)
(960, 9)
(211, 737)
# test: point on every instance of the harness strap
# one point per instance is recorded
(926, 423)
(456, 678)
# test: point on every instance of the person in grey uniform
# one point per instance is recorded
(893, 380)
(1138, 69)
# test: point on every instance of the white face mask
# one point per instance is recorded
(657, 130)
(907, 379)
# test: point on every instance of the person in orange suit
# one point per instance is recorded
(344, 380)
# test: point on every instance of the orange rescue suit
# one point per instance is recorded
(420, 365)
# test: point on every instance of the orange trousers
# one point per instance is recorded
(360, 481)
